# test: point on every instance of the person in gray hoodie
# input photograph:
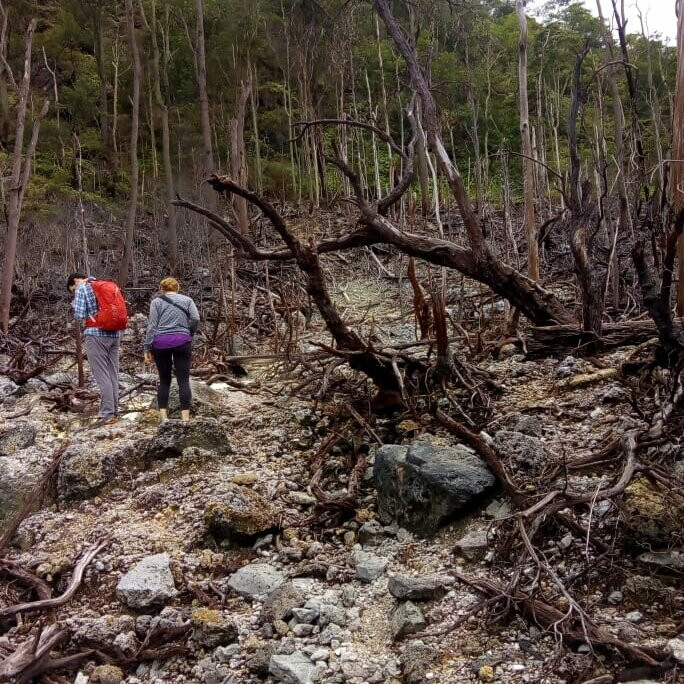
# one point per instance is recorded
(171, 324)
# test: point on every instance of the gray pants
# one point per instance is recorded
(103, 356)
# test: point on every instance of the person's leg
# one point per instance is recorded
(113, 360)
(163, 361)
(97, 350)
(182, 359)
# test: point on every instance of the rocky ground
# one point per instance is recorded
(205, 541)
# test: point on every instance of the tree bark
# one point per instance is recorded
(98, 44)
(205, 119)
(677, 184)
(4, 94)
(162, 105)
(19, 177)
(528, 162)
(135, 124)
(238, 162)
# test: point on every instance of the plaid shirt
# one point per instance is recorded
(85, 306)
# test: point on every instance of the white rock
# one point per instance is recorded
(677, 646)
(149, 582)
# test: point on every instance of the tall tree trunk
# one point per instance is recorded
(162, 105)
(238, 162)
(4, 94)
(135, 124)
(423, 171)
(205, 119)
(624, 221)
(19, 176)
(528, 163)
(98, 44)
(677, 184)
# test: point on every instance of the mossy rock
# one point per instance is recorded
(173, 436)
(240, 514)
(212, 628)
(652, 516)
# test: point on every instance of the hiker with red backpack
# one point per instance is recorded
(100, 306)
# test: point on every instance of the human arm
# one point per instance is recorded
(80, 304)
(193, 313)
(152, 323)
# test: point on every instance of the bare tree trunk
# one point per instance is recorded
(20, 172)
(135, 124)
(582, 231)
(528, 163)
(475, 137)
(98, 44)
(205, 120)
(677, 184)
(624, 221)
(171, 230)
(4, 94)
(255, 128)
(423, 171)
(238, 162)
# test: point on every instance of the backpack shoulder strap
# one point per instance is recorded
(178, 306)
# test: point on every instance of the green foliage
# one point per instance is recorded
(320, 58)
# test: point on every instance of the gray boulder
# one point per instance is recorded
(18, 436)
(416, 660)
(240, 513)
(520, 422)
(371, 533)
(150, 582)
(474, 545)
(173, 436)
(88, 467)
(423, 486)
(292, 669)
(205, 401)
(425, 588)
(19, 472)
(677, 646)
(60, 378)
(567, 367)
(407, 618)
(369, 566)
(527, 452)
(255, 580)
(7, 388)
(280, 603)
(260, 661)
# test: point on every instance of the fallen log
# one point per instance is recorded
(560, 340)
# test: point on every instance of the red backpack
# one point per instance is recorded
(111, 307)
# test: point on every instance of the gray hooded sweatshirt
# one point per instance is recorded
(165, 318)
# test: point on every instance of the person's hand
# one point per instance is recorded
(148, 357)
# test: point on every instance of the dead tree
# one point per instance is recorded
(479, 260)
(21, 164)
(135, 121)
(582, 222)
(163, 107)
(238, 164)
(528, 161)
(349, 344)
(677, 186)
